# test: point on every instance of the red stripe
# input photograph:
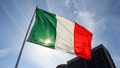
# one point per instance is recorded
(82, 42)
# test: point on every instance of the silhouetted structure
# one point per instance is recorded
(100, 59)
(62, 66)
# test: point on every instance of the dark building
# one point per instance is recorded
(62, 66)
(100, 59)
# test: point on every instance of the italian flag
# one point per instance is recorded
(59, 33)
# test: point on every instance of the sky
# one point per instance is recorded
(101, 17)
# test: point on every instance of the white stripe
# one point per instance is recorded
(64, 35)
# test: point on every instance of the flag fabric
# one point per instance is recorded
(59, 33)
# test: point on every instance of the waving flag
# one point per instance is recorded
(59, 33)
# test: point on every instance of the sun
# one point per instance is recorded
(48, 41)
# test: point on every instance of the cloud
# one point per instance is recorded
(4, 52)
(117, 60)
(11, 17)
(89, 20)
(24, 14)
(86, 17)
(67, 2)
(55, 7)
(97, 27)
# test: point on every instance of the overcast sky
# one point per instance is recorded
(101, 17)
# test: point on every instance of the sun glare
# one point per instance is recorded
(47, 41)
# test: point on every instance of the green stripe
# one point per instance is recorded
(44, 29)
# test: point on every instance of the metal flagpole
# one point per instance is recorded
(20, 53)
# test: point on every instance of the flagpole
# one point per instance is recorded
(20, 53)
